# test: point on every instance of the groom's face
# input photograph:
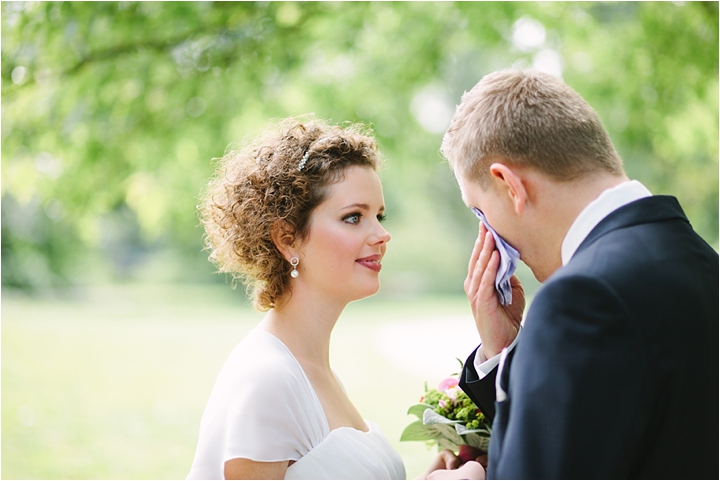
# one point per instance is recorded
(487, 200)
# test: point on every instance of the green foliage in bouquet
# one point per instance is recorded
(448, 419)
(459, 409)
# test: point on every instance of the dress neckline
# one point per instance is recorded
(312, 390)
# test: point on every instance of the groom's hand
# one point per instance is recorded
(497, 325)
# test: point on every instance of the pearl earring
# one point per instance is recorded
(294, 261)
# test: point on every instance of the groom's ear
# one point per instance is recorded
(283, 237)
(511, 182)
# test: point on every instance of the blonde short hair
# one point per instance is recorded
(272, 186)
(529, 118)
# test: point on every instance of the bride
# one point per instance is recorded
(297, 214)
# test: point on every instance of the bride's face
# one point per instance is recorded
(342, 255)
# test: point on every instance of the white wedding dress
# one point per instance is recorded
(264, 408)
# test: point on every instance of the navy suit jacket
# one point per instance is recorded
(615, 374)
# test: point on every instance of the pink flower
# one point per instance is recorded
(442, 403)
(447, 384)
(453, 392)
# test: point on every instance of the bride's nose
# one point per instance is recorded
(380, 236)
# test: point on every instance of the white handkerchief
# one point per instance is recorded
(508, 262)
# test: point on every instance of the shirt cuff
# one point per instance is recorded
(484, 366)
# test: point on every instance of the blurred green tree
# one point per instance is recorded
(112, 112)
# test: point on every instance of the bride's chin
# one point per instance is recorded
(370, 291)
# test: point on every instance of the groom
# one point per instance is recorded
(614, 372)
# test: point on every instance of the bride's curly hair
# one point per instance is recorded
(271, 186)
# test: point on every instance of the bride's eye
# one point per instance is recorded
(381, 217)
(352, 218)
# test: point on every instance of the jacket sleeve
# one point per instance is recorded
(481, 391)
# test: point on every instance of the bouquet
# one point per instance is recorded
(449, 419)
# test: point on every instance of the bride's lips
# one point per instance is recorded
(371, 262)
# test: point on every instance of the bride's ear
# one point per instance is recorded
(513, 184)
(284, 238)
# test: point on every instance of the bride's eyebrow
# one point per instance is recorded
(356, 206)
(362, 206)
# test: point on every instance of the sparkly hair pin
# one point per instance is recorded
(304, 160)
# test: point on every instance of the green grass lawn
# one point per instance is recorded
(110, 383)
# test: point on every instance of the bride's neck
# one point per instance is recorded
(305, 326)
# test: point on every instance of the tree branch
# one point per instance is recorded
(114, 52)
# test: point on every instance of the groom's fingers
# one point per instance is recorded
(487, 281)
(471, 281)
(476, 288)
(477, 248)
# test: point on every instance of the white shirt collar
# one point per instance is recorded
(607, 202)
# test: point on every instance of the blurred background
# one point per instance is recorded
(114, 324)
